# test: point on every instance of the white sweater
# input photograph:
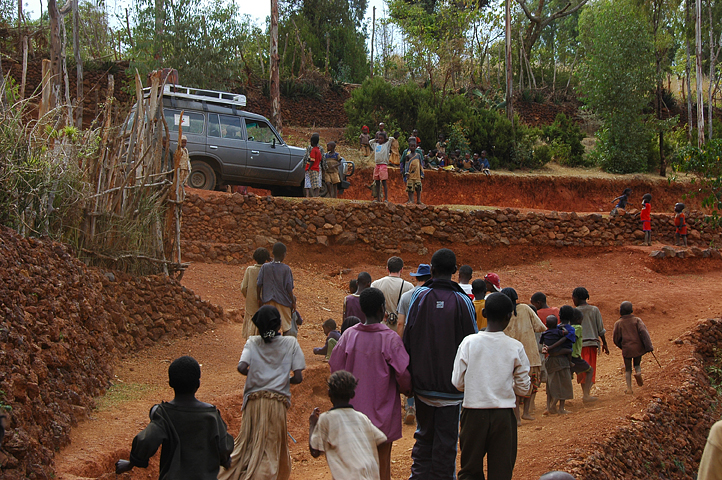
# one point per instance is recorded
(491, 369)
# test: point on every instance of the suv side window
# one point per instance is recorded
(192, 122)
(214, 129)
(231, 127)
(259, 131)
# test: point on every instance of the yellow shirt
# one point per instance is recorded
(480, 319)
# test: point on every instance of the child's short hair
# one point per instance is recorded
(551, 321)
(349, 322)
(578, 316)
(566, 314)
(353, 285)
(184, 375)
(364, 278)
(395, 264)
(342, 385)
(580, 293)
(678, 207)
(315, 139)
(465, 271)
(478, 287)
(330, 324)
(279, 249)
(626, 308)
(371, 300)
(627, 191)
(539, 297)
(261, 255)
(444, 261)
(647, 197)
(498, 306)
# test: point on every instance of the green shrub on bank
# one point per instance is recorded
(462, 118)
(565, 139)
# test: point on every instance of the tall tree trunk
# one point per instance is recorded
(509, 86)
(712, 64)
(688, 74)
(373, 38)
(79, 66)
(3, 97)
(24, 75)
(55, 52)
(275, 74)
(159, 27)
(700, 87)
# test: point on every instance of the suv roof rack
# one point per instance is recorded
(208, 96)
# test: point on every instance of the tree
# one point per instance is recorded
(539, 20)
(617, 76)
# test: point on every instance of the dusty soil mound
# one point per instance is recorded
(62, 326)
(307, 112)
(565, 194)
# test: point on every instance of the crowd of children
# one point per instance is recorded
(465, 355)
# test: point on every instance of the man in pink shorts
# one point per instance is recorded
(381, 148)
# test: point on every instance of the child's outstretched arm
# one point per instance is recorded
(297, 377)
(312, 421)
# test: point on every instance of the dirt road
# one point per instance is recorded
(669, 296)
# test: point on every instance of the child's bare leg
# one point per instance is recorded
(386, 190)
(638, 375)
(628, 378)
(527, 403)
(516, 411)
(684, 240)
(418, 197)
(553, 407)
(411, 197)
(378, 190)
(562, 410)
(648, 237)
(385, 460)
(316, 192)
(676, 238)
(587, 387)
(306, 192)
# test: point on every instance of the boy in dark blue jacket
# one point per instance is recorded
(439, 318)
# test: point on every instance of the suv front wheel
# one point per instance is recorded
(202, 176)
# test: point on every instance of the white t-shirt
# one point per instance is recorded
(270, 364)
(350, 441)
(466, 287)
(491, 369)
(381, 152)
(391, 286)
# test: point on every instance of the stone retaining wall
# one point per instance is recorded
(228, 227)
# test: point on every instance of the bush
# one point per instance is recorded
(565, 139)
(542, 154)
(706, 169)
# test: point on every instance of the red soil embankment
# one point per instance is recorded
(539, 192)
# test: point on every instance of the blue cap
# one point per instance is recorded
(423, 270)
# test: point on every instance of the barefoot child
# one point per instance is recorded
(275, 287)
(330, 173)
(363, 139)
(680, 225)
(261, 448)
(332, 336)
(579, 365)
(621, 201)
(312, 183)
(381, 148)
(394, 155)
(376, 356)
(194, 437)
(413, 171)
(646, 217)
(559, 377)
(348, 437)
(492, 370)
(631, 336)
(250, 291)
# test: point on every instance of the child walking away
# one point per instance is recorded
(621, 201)
(249, 290)
(261, 447)
(332, 336)
(381, 148)
(363, 139)
(574, 317)
(646, 217)
(375, 355)
(492, 370)
(275, 287)
(312, 185)
(631, 336)
(680, 225)
(348, 437)
(558, 341)
(394, 155)
(351, 304)
(330, 173)
(478, 288)
(593, 330)
(523, 325)
(194, 437)
(413, 171)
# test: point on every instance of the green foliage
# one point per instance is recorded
(409, 106)
(565, 139)
(457, 138)
(543, 154)
(705, 167)
(295, 89)
(617, 76)
(204, 41)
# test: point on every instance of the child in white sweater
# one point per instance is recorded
(491, 369)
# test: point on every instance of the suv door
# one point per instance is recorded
(268, 157)
(227, 143)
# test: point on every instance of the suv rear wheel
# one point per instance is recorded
(202, 176)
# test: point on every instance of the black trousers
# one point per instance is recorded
(490, 433)
(434, 453)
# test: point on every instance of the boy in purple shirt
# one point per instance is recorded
(376, 356)
(351, 304)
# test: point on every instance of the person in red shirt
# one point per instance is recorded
(680, 224)
(313, 168)
(646, 217)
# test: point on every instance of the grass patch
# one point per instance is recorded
(120, 393)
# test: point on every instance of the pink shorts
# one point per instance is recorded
(381, 172)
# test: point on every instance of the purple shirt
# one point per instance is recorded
(377, 358)
(353, 308)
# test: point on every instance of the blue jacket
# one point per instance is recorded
(440, 316)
